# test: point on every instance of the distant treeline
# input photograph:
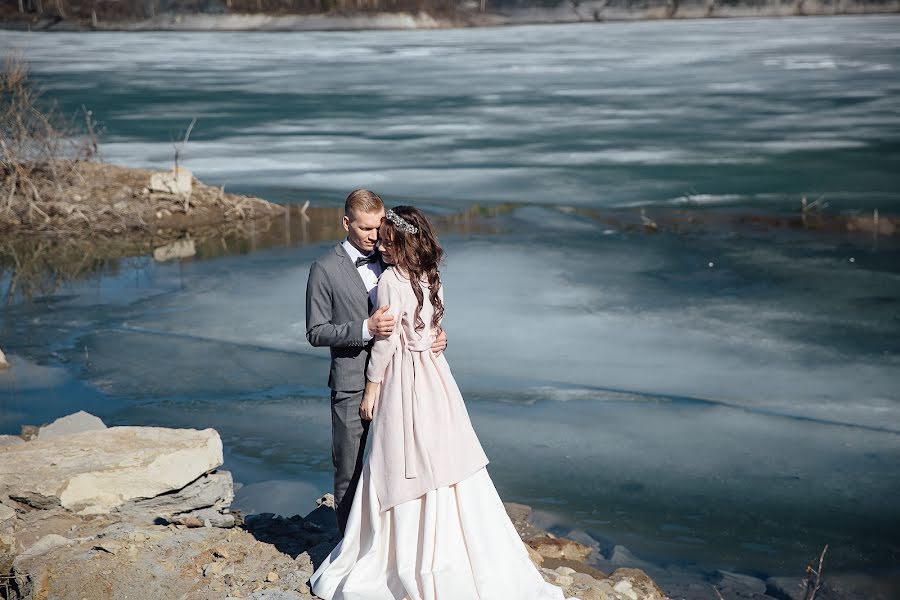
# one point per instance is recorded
(100, 13)
(130, 9)
(111, 10)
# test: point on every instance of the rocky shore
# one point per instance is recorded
(90, 511)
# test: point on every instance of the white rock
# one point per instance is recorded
(202, 498)
(177, 181)
(75, 423)
(4, 364)
(635, 584)
(95, 471)
(326, 500)
(43, 546)
(305, 564)
(177, 249)
(625, 588)
(6, 513)
(10, 440)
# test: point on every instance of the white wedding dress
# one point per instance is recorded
(453, 543)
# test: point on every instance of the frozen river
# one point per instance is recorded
(718, 397)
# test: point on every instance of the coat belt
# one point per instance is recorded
(408, 401)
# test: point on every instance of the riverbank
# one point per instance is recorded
(145, 512)
(86, 198)
(38, 261)
(466, 16)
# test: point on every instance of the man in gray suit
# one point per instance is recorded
(340, 294)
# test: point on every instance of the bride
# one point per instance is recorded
(426, 521)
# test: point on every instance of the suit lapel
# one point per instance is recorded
(382, 264)
(350, 271)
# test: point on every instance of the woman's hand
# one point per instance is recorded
(440, 343)
(369, 401)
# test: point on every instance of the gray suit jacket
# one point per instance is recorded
(337, 303)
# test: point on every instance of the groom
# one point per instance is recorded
(340, 294)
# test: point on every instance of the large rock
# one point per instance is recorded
(44, 545)
(178, 249)
(177, 182)
(624, 584)
(10, 440)
(6, 513)
(636, 585)
(4, 364)
(124, 560)
(75, 423)
(96, 471)
(213, 491)
(553, 547)
(520, 515)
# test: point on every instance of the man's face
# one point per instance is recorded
(362, 229)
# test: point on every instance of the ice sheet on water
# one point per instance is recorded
(225, 330)
(545, 314)
(140, 364)
(24, 374)
(733, 477)
(566, 115)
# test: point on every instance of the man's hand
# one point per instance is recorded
(381, 324)
(440, 343)
(367, 406)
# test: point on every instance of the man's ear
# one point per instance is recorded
(346, 223)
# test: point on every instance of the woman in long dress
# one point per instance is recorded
(426, 521)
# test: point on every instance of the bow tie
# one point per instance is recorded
(364, 260)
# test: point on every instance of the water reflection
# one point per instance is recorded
(38, 265)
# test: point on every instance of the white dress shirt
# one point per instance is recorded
(370, 273)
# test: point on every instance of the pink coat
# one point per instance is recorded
(421, 435)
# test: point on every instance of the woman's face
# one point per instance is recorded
(386, 244)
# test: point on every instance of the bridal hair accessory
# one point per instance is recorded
(401, 223)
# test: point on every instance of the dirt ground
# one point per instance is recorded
(93, 197)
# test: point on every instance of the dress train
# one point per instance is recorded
(454, 543)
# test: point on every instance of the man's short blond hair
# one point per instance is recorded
(362, 200)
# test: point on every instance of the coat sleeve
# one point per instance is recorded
(383, 349)
(320, 328)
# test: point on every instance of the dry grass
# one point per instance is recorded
(38, 152)
(51, 182)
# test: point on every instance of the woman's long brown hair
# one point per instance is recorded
(418, 255)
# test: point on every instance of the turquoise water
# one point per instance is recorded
(715, 396)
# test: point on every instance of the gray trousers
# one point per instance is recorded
(348, 445)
